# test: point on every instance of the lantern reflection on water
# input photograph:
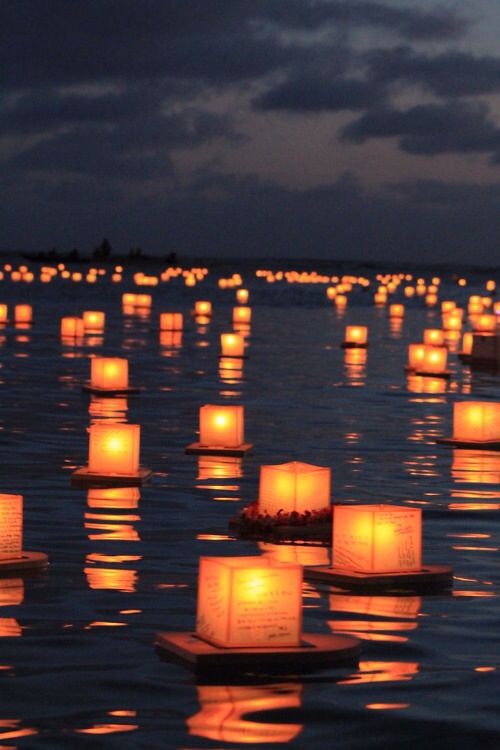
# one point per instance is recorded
(475, 466)
(299, 554)
(221, 430)
(216, 467)
(293, 486)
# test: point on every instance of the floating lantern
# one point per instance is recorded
(23, 313)
(427, 360)
(293, 486)
(380, 298)
(475, 424)
(232, 345)
(379, 545)
(113, 456)
(170, 340)
(396, 310)
(452, 321)
(242, 314)
(221, 431)
(249, 613)
(203, 307)
(4, 313)
(475, 305)
(415, 357)
(12, 555)
(467, 340)
(433, 337)
(242, 296)
(485, 323)
(71, 327)
(340, 301)
(171, 321)
(355, 336)
(431, 299)
(94, 321)
(109, 375)
(447, 305)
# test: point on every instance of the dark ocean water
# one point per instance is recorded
(78, 667)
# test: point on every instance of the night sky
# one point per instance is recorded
(342, 129)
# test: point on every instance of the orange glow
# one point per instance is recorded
(297, 554)
(452, 321)
(215, 467)
(293, 486)
(223, 707)
(114, 449)
(433, 337)
(396, 310)
(382, 671)
(447, 305)
(113, 497)
(380, 298)
(171, 339)
(426, 384)
(230, 369)
(249, 602)
(242, 296)
(203, 307)
(416, 354)
(467, 341)
(71, 327)
(11, 526)
(4, 313)
(11, 591)
(94, 321)
(171, 321)
(485, 323)
(221, 426)
(376, 538)
(114, 579)
(434, 360)
(23, 313)
(109, 373)
(480, 467)
(242, 314)
(232, 345)
(407, 607)
(476, 420)
(356, 335)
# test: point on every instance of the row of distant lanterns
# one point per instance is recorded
(256, 601)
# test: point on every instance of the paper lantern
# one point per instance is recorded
(467, 340)
(230, 369)
(433, 337)
(232, 345)
(71, 327)
(23, 313)
(293, 486)
(11, 526)
(170, 340)
(355, 336)
(114, 449)
(447, 305)
(203, 307)
(452, 321)
(242, 314)
(396, 310)
(415, 356)
(4, 313)
(380, 298)
(221, 426)
(249, 602)
(109, 373)
(242, 296)
(476, 421)
(94, 321)
(433, 361)
(340, 301)
(171, 321)
(485, 323)
(376, 538)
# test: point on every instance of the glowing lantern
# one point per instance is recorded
(467, 340)
(434, 361)
(474, 305)
(447, 305)
(355, 336)
(114, 449)
(109, 373)
(380, 298)
(170, 340)
(203, 307)
(221, 426)
(171, 321)
(452, 321)
(415, 356)
(242, 296)
(485, 323)
(433, 336)
(293, 486)
(232, 345)
(476, 421)
(71, 327)
(242, 314)
(396, 310)
(431, 299)
(376, 538)
(340, 301)
(23, 313)
(93, 321)
(4, 311)
(249, 602)
(11, 526)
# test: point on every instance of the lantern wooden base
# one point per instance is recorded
(486, 445)
(27, 562)
(430, 576)
(84, 478)
(233, 356)
(316, 652)
(446, 375)
(352, 345)
(205, 450)
(129, 391)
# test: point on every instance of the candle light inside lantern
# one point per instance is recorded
(415, 356)
(476, 421)
(249, 602)
(11, 526)
(376, 538)
(109, 373)
(114, 449)
(293, 486)
(485, 323)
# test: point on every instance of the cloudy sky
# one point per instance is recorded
(352, 129)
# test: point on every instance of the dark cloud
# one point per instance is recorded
(450, 73)
(430, 128)
(314, 94)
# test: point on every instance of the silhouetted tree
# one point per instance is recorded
(103, 250)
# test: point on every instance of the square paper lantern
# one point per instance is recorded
(242, 296)
(433, 337)
(4, 312)
(396, 310)
(476, 421)
(232, 345)
(356, 335)
(242, 314)
(171, 321)
(467, 340)
(23, 313)
(377, 538)
(94, 321)
(203, 307)
(434, 360)
(485, 323)
(293, 486)
(249, 602)
(221, 426)
(114, 449)
(415, 356)
(109, 373)
(11, 526)
(71, 327)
